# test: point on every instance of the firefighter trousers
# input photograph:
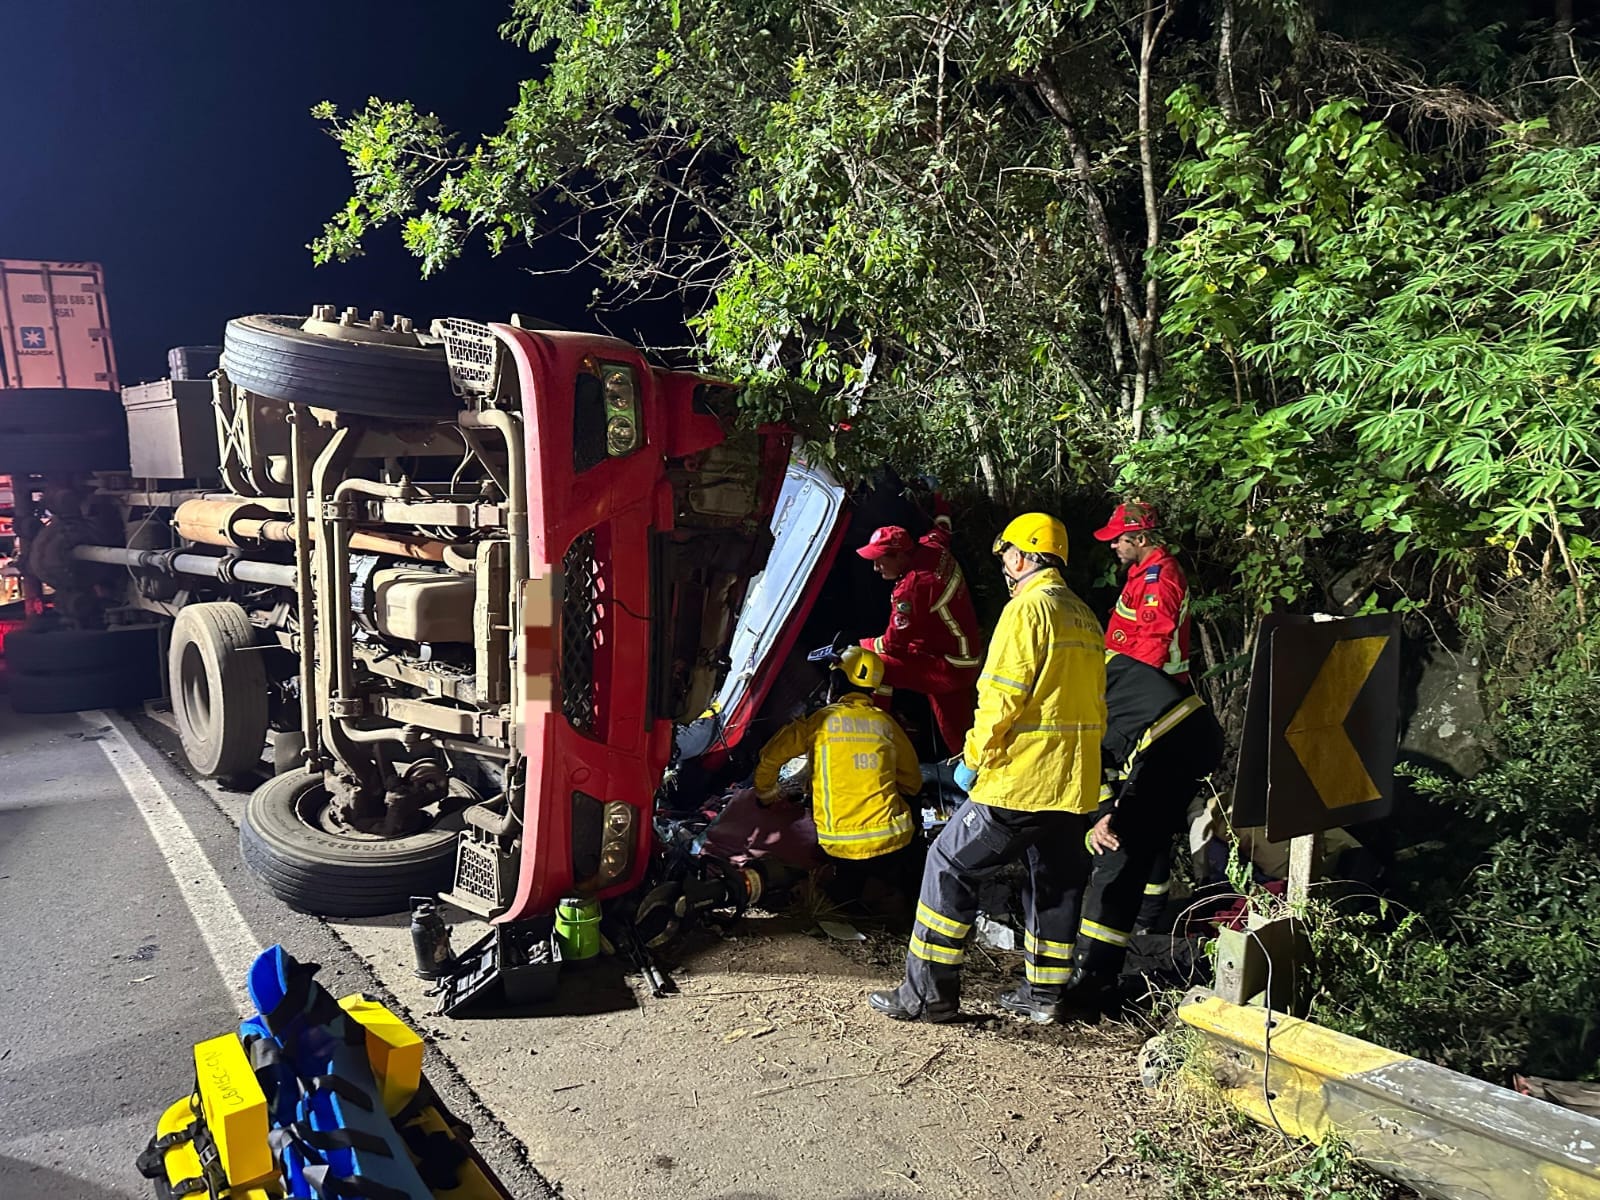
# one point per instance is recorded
(1128, 883)
(951, 691)
(979, 840)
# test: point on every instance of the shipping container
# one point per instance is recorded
(54, 332)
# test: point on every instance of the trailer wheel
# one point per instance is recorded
(273, 357)
(219, 688)
(291, 840)
(46, 431)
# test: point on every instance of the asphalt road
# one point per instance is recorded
(127, 922)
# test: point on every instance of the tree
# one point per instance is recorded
(928, 211)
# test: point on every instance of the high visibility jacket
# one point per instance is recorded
(861, 760)
(1035, 741)
(931, 613)
(1151, 619)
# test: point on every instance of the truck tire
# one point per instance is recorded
(48, 431)
(273, 357)
(54, 651)
(285, 840)
(75, 691)
(219, 688)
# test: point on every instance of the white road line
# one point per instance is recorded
(227, 936)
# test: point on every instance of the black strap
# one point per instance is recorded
(152, 1162)
(340, 1139)
(329, 1186)
(344, 1089)
(439, 1158)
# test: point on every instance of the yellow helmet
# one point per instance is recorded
(1034, 533)
(861, 667)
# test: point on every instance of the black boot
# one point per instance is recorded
(1082, 997)
(1088, 991)
(1024, 1003)
(898, 1006)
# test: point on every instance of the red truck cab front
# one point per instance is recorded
(645, 521)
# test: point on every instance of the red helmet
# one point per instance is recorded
(891, 539)
(1132, 517)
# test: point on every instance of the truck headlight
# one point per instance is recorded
(622, 408)
(616, 842)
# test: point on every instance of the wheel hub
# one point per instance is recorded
(349, 326)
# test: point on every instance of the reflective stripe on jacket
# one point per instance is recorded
(1035, 741)
(931, 613)
(1151, 619)
(861, 760)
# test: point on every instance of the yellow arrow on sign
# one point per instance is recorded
(1316, 733)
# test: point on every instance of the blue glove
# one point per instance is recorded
(964, 777)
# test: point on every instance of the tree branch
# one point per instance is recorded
(1152, 213)
(1056, 102)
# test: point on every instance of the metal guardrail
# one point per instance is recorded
(1443, 1133)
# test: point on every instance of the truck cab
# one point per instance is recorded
(468, 581)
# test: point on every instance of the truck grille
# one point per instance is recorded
(580, 627)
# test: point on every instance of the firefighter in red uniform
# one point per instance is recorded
(932, 644)
(1150, 623)
(1151, 618)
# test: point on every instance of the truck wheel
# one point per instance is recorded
(293, 842)
(219, 688)
(45, 431)
(273, 357)
(75, 691)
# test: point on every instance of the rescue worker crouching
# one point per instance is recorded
(932, 644)
(1031, 766)
(1161, 742)
(862, 766)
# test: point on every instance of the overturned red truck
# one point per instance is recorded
(468, 582)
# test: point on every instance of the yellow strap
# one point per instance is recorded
(1038, 974)
(1158, 889)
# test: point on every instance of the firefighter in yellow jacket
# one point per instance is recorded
(1031, 768)
(862, 767)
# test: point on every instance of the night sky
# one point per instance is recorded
(171, 141)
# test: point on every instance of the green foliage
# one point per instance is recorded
(1257, 1161)
(1348, 351)
(1496, 963)
(1202, 1148)
(865, 209)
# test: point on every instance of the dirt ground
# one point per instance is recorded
(768, 1076)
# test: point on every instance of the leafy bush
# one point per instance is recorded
(1496, 967)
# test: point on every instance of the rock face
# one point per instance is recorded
(1442, 714)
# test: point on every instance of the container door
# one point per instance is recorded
(53, 327)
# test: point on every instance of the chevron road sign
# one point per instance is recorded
(1318, 745)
